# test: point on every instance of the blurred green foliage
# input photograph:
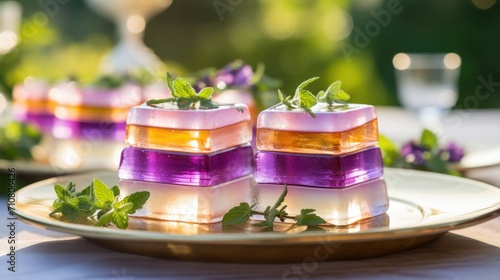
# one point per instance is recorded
(296, 39)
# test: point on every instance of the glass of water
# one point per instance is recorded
(428, 85)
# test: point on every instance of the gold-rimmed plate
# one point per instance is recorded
(423, 206)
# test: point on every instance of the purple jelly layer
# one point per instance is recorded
(185, 169)
(42, 120)
(94, 131)
(318, 170)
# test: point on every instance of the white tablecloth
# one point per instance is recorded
(470, 253)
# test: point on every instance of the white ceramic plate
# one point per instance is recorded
(423, 206)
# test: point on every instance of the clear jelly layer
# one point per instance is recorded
(318, 170)
(190, 204)
(72, 94)
(325, 120)
(332, 143)
(168, 116)
(187, 169)
(191, 141)
(336, 206)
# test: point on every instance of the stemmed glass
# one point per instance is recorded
(130, 17)
(428, 85)
(10, 19)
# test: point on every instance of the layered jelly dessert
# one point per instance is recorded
(196, 162)
(192, 131)
(334, 132)
(90, 122)
(326, 155)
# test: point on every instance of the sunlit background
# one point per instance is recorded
(352, 41)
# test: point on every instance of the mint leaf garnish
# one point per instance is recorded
(185, 96)
(304, 99)
(102, 194)
(334, 94)
(98, 202)
(243, 212)
(238, 214)
(307, 218)
(138, 199)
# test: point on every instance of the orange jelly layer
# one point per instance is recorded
(331, 143)
(33, 106)
(190, 141)
(84, 113)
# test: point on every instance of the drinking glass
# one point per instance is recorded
(428, 84)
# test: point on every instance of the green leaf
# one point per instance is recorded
(280, 96)
(115, 190)
(390, 153)
(184, 103)
(120, 219)
(121, 206)
(170, 83)
(154, 102)
(307, 218)
(183, 89)
(307, 99)
(85, 191)
(334, 93)
(281, 198)
(321, 96)
(304, 84)
(208, 104)
(70, 187)
(138, 199)
(428, 140)
(102, 194)
(61, 192)
(105, 218)
(238, 214)
(206, 93)
(73, 202)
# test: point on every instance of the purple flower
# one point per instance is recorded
(413, 153)
(235, 74)
(452, 152)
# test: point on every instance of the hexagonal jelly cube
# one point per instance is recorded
(334, 132)
(192, 131)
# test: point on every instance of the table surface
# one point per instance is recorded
(470, 253)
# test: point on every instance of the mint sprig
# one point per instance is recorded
(242, 213)
(185, 96)
(97, 201)
(334, 96)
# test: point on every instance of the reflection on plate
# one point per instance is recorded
(423, 206)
